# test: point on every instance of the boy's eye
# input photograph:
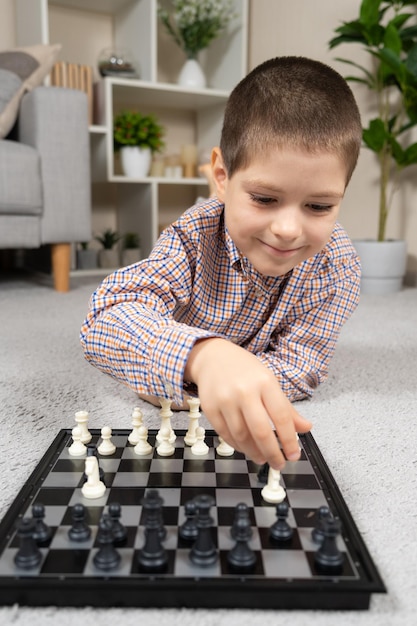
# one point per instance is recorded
(261, 199)
(320, 208)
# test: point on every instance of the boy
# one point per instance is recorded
(244, 296)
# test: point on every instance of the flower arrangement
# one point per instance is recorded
(195, 23)
(131, 128)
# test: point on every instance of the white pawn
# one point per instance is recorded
(165, 447)
(143, 447)
(193, 417)
(77, 448)
(223, 449)
(81, 417)
(106, 447)
(199, 448)
(137, 421)
(165, 414)
(93, 488)
(273, 492)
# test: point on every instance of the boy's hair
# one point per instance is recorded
(291, 102)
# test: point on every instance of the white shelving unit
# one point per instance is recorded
(145, 205)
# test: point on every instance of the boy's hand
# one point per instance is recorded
(241, 397)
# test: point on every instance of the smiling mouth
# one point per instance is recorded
(284, 252)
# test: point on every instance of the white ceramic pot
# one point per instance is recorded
(383, 265)
(136, 162)
(108, 259)
(192, 75)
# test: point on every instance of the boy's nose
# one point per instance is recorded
(286, 224)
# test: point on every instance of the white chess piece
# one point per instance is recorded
(93, 488)
(273, 492)
(143, 447)
(199, 448)
(165, 447)
(77, 448)
(106, 447)
(81, 417)
(223, 449)
(137, 421)
(193, 417)
(165, 414)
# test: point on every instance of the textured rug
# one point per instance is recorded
(364, 422)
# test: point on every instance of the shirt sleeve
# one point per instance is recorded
(304, 342)
(130, 332)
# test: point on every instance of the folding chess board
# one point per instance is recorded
(284, 577)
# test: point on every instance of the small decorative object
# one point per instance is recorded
(194, 24)
(137, 136)
(117, 62)
(131, 249)
(109, 256)
(189, 160)
(385, 30)
(86, 259)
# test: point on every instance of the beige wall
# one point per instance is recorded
(279, 27)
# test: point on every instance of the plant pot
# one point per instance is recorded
(108, 259)
(86, 259)
(192, 75)
(136, 162)
(130, 256)
(383, 265)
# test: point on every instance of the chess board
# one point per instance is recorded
(284, 576)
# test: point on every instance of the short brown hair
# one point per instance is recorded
(291, 101)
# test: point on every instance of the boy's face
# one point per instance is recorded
(281, 209)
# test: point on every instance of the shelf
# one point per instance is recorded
(159, 180)
(97, 129)
(111, 7)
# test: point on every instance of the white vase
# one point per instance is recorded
(136, 162)
(383, 265)
(192, 75)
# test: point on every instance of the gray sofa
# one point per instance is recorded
(45, 187)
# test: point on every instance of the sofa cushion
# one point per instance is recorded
(21, 69)
(20, 179)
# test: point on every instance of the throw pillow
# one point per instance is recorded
(22, 69)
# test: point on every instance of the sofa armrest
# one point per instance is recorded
(54, 121)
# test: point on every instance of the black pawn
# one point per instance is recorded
(188, 530)
(328, 556)
(119, 531)
(281, 530)
(153, 556)
(28, 555)
(263, 473)
(322, 514)
(42, 532)
(106, 558)
(241, 511)
(79, 531)
(241, 557)
(204, 552)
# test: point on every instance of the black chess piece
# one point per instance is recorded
(119, 531)
(28, 555)
(42, 532)
(107, 558)
(80, 530)
(322, 514)
(241, 558)
(281, 530)
(204, 552)
(153, 494)
(328, 556)
(188, 530)
(263, 473)
(241, 510)
(152, 557)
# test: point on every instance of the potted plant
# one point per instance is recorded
(131, 249)
(194, 24)
(137, 136)
(108, 257)
(384, 31)
(86, 258)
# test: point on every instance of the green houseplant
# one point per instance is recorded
(137, 137)
(131, 248)
(386, 31)
(108, 256)
(86, 257)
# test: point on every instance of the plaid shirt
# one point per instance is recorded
(144, 319)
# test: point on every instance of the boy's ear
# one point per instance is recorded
(219, 173)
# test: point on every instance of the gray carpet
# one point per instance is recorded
(364, 422)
